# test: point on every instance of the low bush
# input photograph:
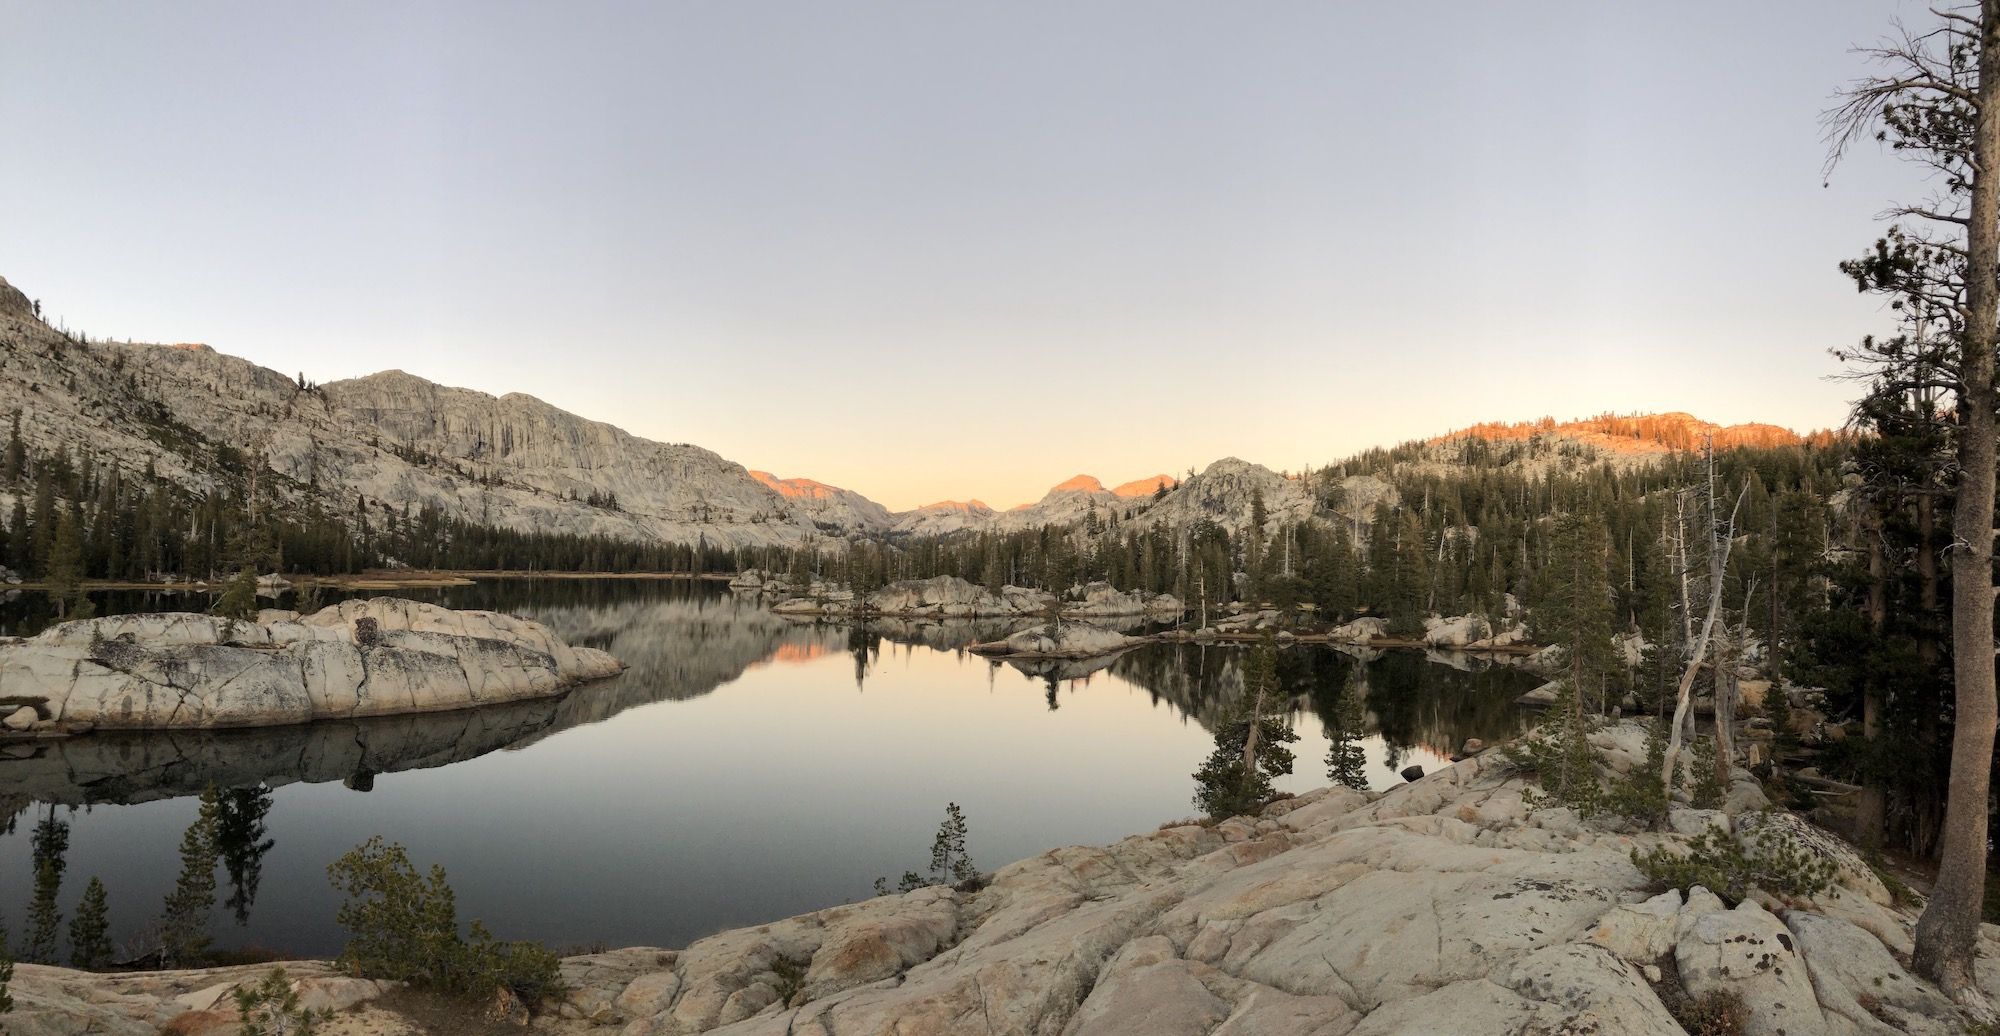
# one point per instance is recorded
(404, 928)
(271, 1008)
(1639, 795)
(1717, 1012)
(1717, 862)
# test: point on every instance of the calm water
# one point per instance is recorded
(747, 767)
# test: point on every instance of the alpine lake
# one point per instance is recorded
(746, 767)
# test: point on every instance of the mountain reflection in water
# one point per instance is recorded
(747, 766)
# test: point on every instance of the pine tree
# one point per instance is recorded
(15, 462)
(239, 596)
(1574, 606)
(89, 930)
(65, 567)
(44, 917)
(20, 541)
(1346, 762)
(949, 861)
(42, 528)
(241, 842)
(49, 845)
(1560, 754)
(184, 934)
(1249, 744)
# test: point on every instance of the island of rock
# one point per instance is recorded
(377, 657)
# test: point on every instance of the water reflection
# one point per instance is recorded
(746, 766)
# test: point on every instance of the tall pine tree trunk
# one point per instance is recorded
(1948, 931)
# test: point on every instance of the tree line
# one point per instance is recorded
(77, 519)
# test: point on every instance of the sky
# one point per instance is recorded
(943, 250)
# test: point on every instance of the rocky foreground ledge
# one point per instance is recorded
(384, 656)
(1443, 906)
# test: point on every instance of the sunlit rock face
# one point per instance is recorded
(830, 507)
(385, 656)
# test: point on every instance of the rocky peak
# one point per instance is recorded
(1145, 486)
(1079, 484)
(14, 303)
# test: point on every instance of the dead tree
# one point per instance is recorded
(1721, 539)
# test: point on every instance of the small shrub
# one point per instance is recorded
(1900, 892)
(1717, 862)
(1559, 753)
(1718, 1012)
(523, 967)
(1778, 707)
(1638, 795)
(404, 928)
(271, 1008)
(1707, 791)
(239, 596)
(791, 976)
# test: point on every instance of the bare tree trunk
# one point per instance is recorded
(1948, 932)
(1729, 691)
(1718, 564)
(1256, 727)
(1681, 546)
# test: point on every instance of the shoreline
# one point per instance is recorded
(1320, 912)
(379, 579)
(428, 579)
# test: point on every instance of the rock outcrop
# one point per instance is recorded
(1070, 640)
(1364, 630)
(1455, 631)
(949, 597)
(1448, 905)
(378, 657)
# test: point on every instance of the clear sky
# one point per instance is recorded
(931, 250)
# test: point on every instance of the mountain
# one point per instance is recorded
(1145, 486)
(1066, 502)
(1222, 493)
(942, 518)
(830, 506)
(1634, 434)
(393, 440)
